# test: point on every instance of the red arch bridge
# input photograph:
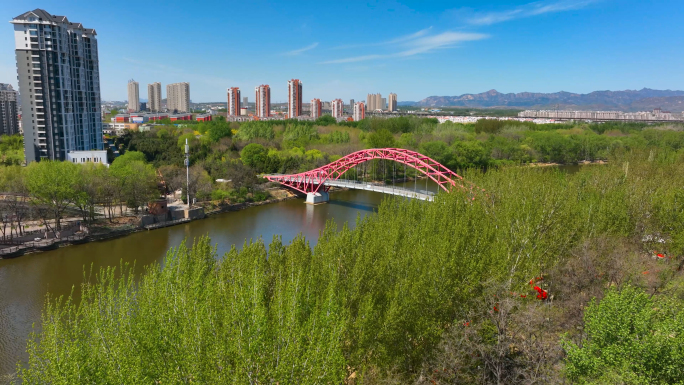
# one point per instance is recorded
(316, 183)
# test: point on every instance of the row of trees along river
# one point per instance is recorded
(237, 152)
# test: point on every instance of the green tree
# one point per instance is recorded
(255, 130)
(11, 150)
(381, 139)
(219, 130)
(325, 120)
(136, 180)
(631, 338)
(254, 155)
(15, 205)
(52, 187)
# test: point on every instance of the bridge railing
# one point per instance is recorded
(357, 184)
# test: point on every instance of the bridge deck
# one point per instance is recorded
(358, 185)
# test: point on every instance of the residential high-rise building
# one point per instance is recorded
(245, 101)
(359, 111)
(263, 101)
(154, 97)
(9, 124)
(133, 96)
(378, 104)
(374, 102)
(392, 106)
(337, 108)
(351, 105)
(178, 97)
(316, 108)
(233, 101)
(59, 80)
(383, 103)
(294, 98)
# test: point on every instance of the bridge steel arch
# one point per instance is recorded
(313, 181)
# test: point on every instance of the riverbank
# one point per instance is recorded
(105, 229)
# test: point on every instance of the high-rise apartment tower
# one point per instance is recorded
(133, 96)
(178, 97)
(351, 105)
(392, 106)
(359, 111)
(59, 80)
(263, 101)
(154, 97)
(294, 98)
(378, 104)
(9, 124)
(374, 102)
(316, 108)
(233, 101)
(337, 108)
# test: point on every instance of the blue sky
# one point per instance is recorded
(350, 48)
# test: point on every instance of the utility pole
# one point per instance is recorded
(187, 171)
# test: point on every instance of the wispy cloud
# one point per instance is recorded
(400, 39)
(529, 10)
(301, 50)
(414, 44)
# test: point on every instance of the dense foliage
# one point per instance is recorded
(436, 292)
(631, 338)
(11, 150)
(296, 146)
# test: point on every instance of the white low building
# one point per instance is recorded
(93, 156)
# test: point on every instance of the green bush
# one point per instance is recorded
(219, 195)
(631, 338)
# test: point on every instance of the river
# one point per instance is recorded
(25, 281)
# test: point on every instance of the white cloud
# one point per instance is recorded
(528, 10)
(301, 50)
(414, 44)
(400, 39)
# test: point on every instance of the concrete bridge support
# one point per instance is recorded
(317, 198)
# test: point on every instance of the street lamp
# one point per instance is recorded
(187, 171)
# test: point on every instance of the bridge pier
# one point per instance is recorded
(317, 198)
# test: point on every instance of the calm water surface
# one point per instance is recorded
(25, 281)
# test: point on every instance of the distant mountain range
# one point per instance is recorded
(629, 100)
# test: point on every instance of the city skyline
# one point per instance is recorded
(470, 49)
